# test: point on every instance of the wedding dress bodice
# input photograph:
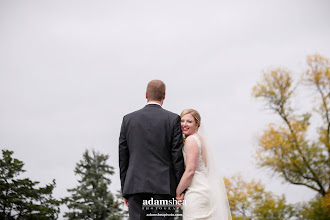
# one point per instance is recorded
(200, 163)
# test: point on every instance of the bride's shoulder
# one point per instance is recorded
(192, 140)
(190, 144)
(197, 137)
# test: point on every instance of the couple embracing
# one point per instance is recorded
(157, 166)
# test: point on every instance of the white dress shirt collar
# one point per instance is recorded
(153, 103)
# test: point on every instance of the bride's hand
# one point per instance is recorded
(179, 199)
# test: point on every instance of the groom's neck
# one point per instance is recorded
(154, 101)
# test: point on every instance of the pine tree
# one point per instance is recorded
(20, 198)
(91, 199)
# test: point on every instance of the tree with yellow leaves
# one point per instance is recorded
(284, 148)
(316, 209)
(250, 200)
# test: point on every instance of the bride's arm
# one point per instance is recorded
(191, 149)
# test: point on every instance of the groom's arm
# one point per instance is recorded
(176, 151)
(123, 155)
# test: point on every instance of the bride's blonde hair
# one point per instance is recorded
(194, 113)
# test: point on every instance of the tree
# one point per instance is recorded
(123, 213)
(20, 198)
(316, 209)
(285, 148)
(250, 200)
(178, 213)
(91, 199)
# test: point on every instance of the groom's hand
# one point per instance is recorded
(126, 202)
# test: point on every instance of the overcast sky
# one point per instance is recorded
(70, 70)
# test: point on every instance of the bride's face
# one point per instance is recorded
(188, 125)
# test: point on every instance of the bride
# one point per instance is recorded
(200, 186)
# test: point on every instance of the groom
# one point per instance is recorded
(150, 155)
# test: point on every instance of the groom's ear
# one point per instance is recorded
(164, 96)
(146, 95)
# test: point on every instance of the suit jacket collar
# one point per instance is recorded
(152, 105)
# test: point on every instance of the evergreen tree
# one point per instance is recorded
(123, 209)
(91, 199)
(20, 198)
(178, 213)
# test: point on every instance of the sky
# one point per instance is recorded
(70, 70)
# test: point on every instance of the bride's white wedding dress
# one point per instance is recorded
(202, 197)
(197, 197)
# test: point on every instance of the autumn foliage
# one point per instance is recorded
(285, 147)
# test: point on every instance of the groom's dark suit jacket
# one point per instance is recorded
(150, 151)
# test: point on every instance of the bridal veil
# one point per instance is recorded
(218, 196)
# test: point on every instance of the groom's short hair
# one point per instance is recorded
(156, 90)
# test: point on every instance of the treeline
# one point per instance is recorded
(91, 199)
